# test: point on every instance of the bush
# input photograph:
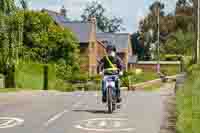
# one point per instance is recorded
(63, 86)
(96, 78)
(1, 76)
(91, 86)
(171, 57)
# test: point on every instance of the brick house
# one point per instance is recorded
(92, 44)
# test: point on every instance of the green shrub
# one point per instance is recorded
(92, 86)
(63, 86)
(79, 77)
(96, 78)
(1, 76)
(188, 61)
(171, 57)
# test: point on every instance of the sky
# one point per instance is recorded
(131, 11)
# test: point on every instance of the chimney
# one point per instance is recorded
(93, 20)
(63, 11)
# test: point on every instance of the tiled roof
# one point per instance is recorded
(81, 29)
(120, 40)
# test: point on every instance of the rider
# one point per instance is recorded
(108, 62)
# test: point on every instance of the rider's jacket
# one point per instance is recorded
(105, 64)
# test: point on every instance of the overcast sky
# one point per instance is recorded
(131, 11)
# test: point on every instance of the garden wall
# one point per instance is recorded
(167, 66)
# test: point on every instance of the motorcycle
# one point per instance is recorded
(111, 89)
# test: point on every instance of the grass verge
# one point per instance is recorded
(153, 87)
(188, 103)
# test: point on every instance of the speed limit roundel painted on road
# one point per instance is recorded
(105, 125)
(8, 122)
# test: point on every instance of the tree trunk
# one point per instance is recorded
(195, 7)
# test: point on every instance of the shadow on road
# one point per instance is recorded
(92, 111)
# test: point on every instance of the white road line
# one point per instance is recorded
(7, 123)
(57, 116)
(117, 124)
(11, 122)
(78, 104)
(102, 124)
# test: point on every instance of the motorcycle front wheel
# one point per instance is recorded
(110, 101)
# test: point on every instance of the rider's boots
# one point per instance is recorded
(119, 99)
(104, 99)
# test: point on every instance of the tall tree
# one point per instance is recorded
(7, 6)
(157, 6)
(104, 23)
(24, 4)
(179, 43)
(150, 23)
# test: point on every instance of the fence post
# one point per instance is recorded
(45, 74)
(10, 77)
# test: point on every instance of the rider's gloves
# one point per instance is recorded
(101, 73)
(120, 73)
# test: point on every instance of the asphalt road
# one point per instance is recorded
(79, 112)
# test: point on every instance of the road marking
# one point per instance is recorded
(57, 116)
(89, 124)
(105, 130)
(117, 124)
(105, 125)
(102, 124)
(78, 104)
(9, 122)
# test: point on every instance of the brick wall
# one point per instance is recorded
(100, 50)
(152, 66)
(92, 48)
(84, 59)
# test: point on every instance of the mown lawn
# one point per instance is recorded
(188, 104)
(151, 75)
(5, 90)
(153, 87)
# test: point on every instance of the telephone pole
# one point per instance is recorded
(158, 35)
(198, 32)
